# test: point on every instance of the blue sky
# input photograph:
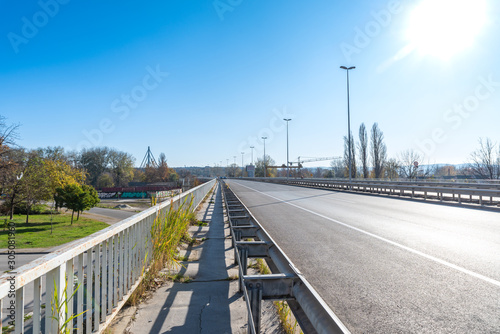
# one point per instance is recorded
(202, 81)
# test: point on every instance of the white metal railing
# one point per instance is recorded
(101, 270)
(480, 193)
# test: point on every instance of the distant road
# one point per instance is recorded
(387, 265)
(112, 213)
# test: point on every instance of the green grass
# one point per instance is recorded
(36, 234)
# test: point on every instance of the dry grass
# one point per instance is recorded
(288, 321)
(166, 234)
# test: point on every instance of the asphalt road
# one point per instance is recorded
(387, 265)
(113, 213)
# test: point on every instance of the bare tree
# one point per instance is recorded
(407, 163)
(378, 150)
(338, 168)
(260, 166)
(363, 149)
(8, 137)
(483, 161)
(353, 157)
(392, 168)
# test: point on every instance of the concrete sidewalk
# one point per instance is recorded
(210, 302)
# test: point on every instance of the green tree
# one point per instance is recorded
(76, 198)
(69, 197)
(88, 199)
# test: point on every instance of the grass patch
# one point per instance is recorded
(288, 322)
(261, 266)
(182, 258)
(179, 278)
(7, 329)
(36, 234)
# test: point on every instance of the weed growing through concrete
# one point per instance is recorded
(288, 321)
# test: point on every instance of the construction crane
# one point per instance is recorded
(301, 160)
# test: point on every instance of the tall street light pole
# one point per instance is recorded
(242, 170)
(265, 169)
(348, 119)
(287, 151)
(252, 147)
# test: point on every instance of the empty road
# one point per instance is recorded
(387, 265)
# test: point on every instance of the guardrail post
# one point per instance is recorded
(243, 263)
(255, 295)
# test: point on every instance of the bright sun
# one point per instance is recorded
(442, 28)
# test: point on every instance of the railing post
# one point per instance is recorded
(88, 306)
(79, 298)
(37, 305)
(19, 324)
(97, 287)
(69, 291)
(54, 292)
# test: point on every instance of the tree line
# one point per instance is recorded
(371, 151)
(29, 177)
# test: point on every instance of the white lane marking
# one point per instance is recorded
(411, 250)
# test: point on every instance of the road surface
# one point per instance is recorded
(387, 265)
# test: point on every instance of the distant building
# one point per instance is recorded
(250, 170)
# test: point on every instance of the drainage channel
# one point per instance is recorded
(250, 240)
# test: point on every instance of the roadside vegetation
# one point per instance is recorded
(288, 321)
(167, 232)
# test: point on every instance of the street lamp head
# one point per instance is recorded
(264, 138)
(287, 119)
(348, 68)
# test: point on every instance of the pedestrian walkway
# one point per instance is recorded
(210, 303)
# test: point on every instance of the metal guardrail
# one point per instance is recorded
(285, 282)
(101, 270)
(480, 193)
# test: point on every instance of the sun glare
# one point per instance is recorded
(443, 28)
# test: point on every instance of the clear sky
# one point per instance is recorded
(203, 80)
